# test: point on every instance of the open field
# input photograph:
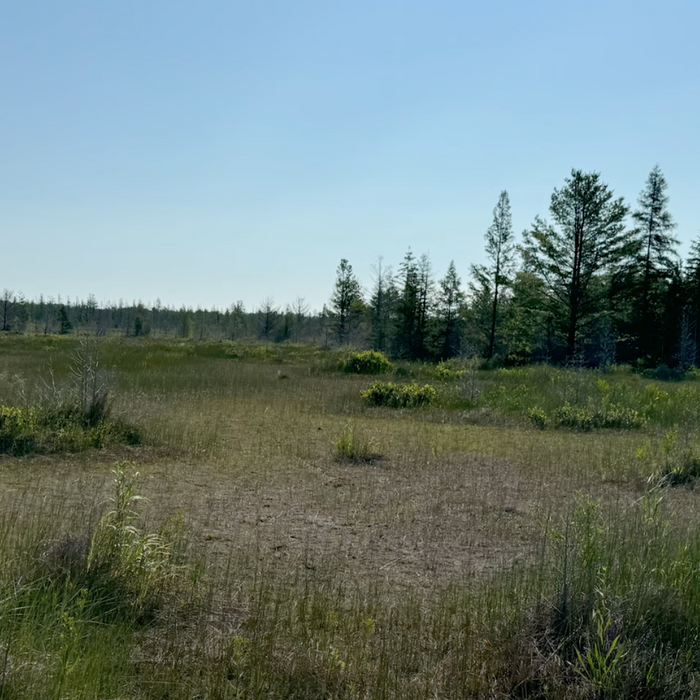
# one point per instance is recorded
(477, 547)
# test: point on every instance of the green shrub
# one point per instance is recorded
(538, 417)
(18, 430)
(367, 362)
(592, 417)
(444, 372)
(399, 395)
(59, 429)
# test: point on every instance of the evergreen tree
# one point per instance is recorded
(8, 309)
(655, 262)
(579, 256)
(65, 326)
(268, 315)
(300, 310)
(382, 306)
(407, 308)
(528, 327)
(450, 301)
(426, 302)
(491, 280)
(344, 302)
(692, 294)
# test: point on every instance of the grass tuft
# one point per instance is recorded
(350, 447)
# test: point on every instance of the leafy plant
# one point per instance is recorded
(538, 417)
(68, 419)
(139, 563)
(399, 395)
(444, 372)
(591, 417)
(600, 663)
(367, 362)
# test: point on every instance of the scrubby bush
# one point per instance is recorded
(367, 362)
(18, 430)
(55, 429)
(665, 373)
(444, 372)
(592, 417)
(538, 417)
(67, 419)
(399, 395)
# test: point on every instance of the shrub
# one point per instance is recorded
(367, 362)
(591, 417)
(58, 429)
(665, 373)
(17, 430)
(444, 372)
(399, 395)
(69, 420)
(538, 417)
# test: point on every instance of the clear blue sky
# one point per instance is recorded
(205, 152)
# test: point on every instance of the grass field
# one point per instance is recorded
(295, 542)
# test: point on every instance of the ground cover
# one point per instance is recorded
(477, 553)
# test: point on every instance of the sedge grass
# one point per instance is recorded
(442, 570)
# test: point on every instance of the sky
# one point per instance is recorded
(209, 152)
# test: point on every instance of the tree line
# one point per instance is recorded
(598, 282)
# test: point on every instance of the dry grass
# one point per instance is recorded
(450, 511)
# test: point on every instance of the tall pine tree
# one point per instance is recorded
(490, 281)
(655, 264)
(579, 255)
(449, 304)
(347, 295)
(382, 306)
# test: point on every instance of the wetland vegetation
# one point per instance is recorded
(261, 530)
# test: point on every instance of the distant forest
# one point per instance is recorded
(597, 283)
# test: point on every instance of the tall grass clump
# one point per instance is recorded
(351, 447)
(70, 607)
(619, 618)
(675, 461)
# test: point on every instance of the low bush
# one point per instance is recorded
(399, 395)
(53, 429)
(67, 419)
(538, 417)
(593, 417)
(367, 362)
(445, 372)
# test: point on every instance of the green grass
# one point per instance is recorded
(295, 542)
